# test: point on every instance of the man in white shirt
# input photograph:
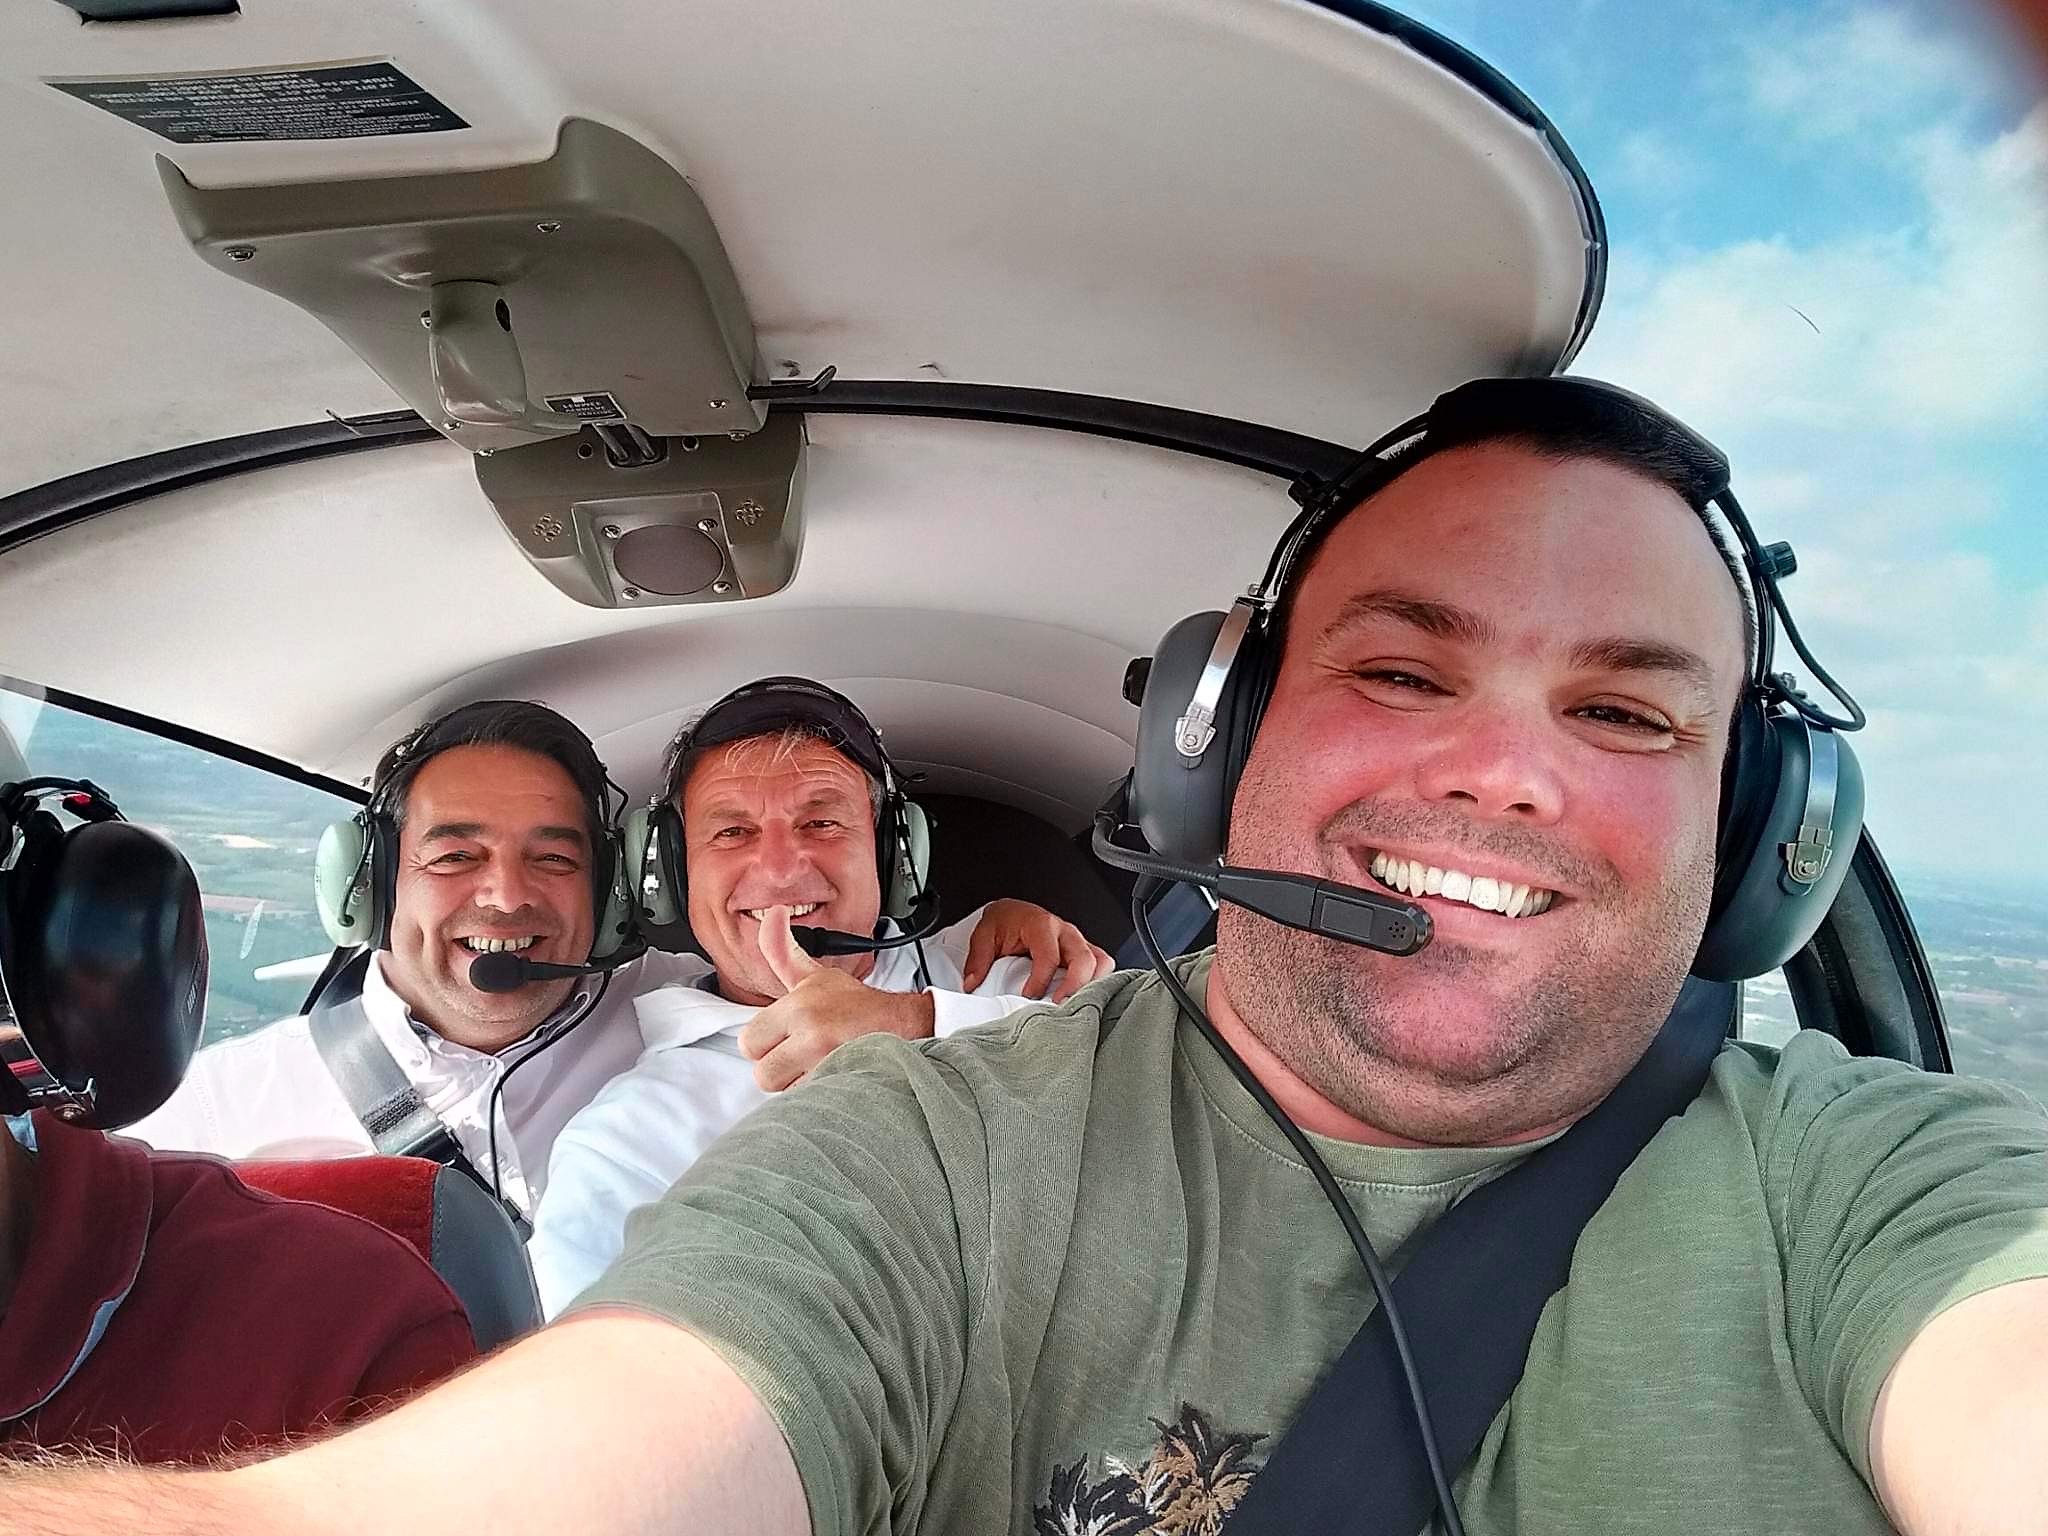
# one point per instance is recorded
(780, 806)
(488, 828)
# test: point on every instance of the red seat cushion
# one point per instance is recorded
(397, 1193)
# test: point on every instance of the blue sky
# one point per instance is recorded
(1829, 227)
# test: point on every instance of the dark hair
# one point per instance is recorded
(1562, 427)
(497, 723)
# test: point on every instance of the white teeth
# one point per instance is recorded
(1411, 877)
(491, 946)
(804, 910)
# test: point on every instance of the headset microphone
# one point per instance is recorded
(503, 971)
(1330, 909)
(922, 918)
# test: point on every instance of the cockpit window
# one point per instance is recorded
(249, 834)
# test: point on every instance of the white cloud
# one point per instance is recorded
(1856, 73)
(1938, 326)
(1650, 162)
(1895, 438)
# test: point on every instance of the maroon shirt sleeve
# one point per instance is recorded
(248, 1318)
(435, 1349)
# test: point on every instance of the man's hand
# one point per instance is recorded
(821, 1011)
(1010, 927)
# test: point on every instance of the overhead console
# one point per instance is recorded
(576, 323)
(712, 519)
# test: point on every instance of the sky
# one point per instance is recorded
(1829, 253)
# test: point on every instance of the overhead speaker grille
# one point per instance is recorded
(669, 560)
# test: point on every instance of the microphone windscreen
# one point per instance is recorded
(818, 942)
(500, 971)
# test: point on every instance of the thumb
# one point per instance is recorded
(780, 949)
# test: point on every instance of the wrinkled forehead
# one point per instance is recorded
(778, 770)
(1550, 550)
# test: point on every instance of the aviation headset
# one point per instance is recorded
(1791, 791)
(654, 834)
(102, 958)
(355, 871)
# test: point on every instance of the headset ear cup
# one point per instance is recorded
(1749, 781)
(32, 838)
(636, 835)
(1802, 776)
(910, 861)
(343, 882)
(120, 968)
(663, 898)
(1182, 806)
(615, 925)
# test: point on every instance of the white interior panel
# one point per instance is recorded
(982, 587)
(1255, 208)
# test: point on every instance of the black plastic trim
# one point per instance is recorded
(1930, 1022)
(1268, 450)
(59, 504)
(1513, 100)
(185, 735)
(76, 498)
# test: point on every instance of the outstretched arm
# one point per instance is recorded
(1959, 1441)
(611, 1424)
(1012, 927)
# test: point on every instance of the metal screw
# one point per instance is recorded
(631, 592)
(548, 226)
(240, 252)
(426, 320)
(611, 530)
(721, 585)
(738, 437)
(451, 426)
(719, 405)
(708, 524)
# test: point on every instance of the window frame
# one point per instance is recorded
(202, 741)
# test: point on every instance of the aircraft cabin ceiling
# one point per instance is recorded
(1311, 217)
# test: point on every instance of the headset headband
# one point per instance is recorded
(444, 733)
(1491, 409)
(772, 704)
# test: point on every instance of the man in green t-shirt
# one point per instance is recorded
(1068, 1278)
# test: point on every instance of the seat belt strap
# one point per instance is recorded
(1470, 1296)
(379, 1094)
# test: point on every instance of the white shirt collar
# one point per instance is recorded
(411, 1041)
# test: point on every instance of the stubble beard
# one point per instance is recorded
(1344, 1019)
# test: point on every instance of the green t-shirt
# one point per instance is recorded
(1010, 1281)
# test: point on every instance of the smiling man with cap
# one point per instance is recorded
(781, 812)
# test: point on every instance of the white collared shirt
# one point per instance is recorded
(268, 1094)
(689, 1087)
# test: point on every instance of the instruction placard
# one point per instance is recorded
(593, 405)
(314, 101)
